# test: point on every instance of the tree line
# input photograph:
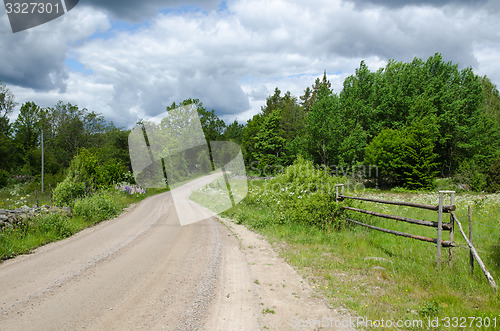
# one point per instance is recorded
(414, 122)
(66, 130)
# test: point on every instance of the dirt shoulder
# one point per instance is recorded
(259, 290)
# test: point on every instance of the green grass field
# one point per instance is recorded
(377, 275)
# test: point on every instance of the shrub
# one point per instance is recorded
(49, 179)
(469, 173)
(303, 194)
(494, 176)
(405, 157)
(68, 190)
(315, 209)
(101, 206)
(4, 178)
(54, 223)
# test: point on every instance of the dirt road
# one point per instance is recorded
(143, 270)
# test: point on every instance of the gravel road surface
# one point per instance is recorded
(143, 270)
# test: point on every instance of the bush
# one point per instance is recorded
(303, 194)
(91, 167)
(405, 157)
(54, 223)
(49, 179)
(494, 177)
(469, 173)
(4, 178)
(110, 172)
(316, 209)
(101, 206)
(68, 190)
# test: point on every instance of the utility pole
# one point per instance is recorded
(42, 161)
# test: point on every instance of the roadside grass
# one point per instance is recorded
(43, 229)
(377, 275)
(13, 198)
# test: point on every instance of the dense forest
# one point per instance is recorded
(404, 125)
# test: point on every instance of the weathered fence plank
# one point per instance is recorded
(446, 209)
(471, 255)
(403, 234)
(446, 226)
(476, 256)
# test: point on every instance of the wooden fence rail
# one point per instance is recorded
(439, 225)
(446, 208)
(446, 226)
(440, 208)
(403, 234)
(474, 253)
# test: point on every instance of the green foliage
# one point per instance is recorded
(385, 151)
(50, 180)
(419, 157)
(27, 127)
(234, 132)
(302, 194)
(4, 178)
(274, 137)
(458, 112)
(494, 176)
(98, 207)
(69, 190)
(334, 139)
(405, 157)
(84, 166)
(469, 173)
(89, 171)
(269, 141)
(57, 224)
(462, 104)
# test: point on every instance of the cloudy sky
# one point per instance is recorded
(129, 59)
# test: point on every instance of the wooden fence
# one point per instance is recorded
(441, 226)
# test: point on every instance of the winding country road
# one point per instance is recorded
(143, 270)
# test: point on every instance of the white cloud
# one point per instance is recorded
(233, 59)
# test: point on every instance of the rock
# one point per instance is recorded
(378, 268)
(377, 259)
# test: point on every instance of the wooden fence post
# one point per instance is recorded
(440, 224)
(439, 228)
(337, 196)
(452, 222)
(471, 255)
(50, 190)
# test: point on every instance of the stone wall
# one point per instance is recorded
(12, 218)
